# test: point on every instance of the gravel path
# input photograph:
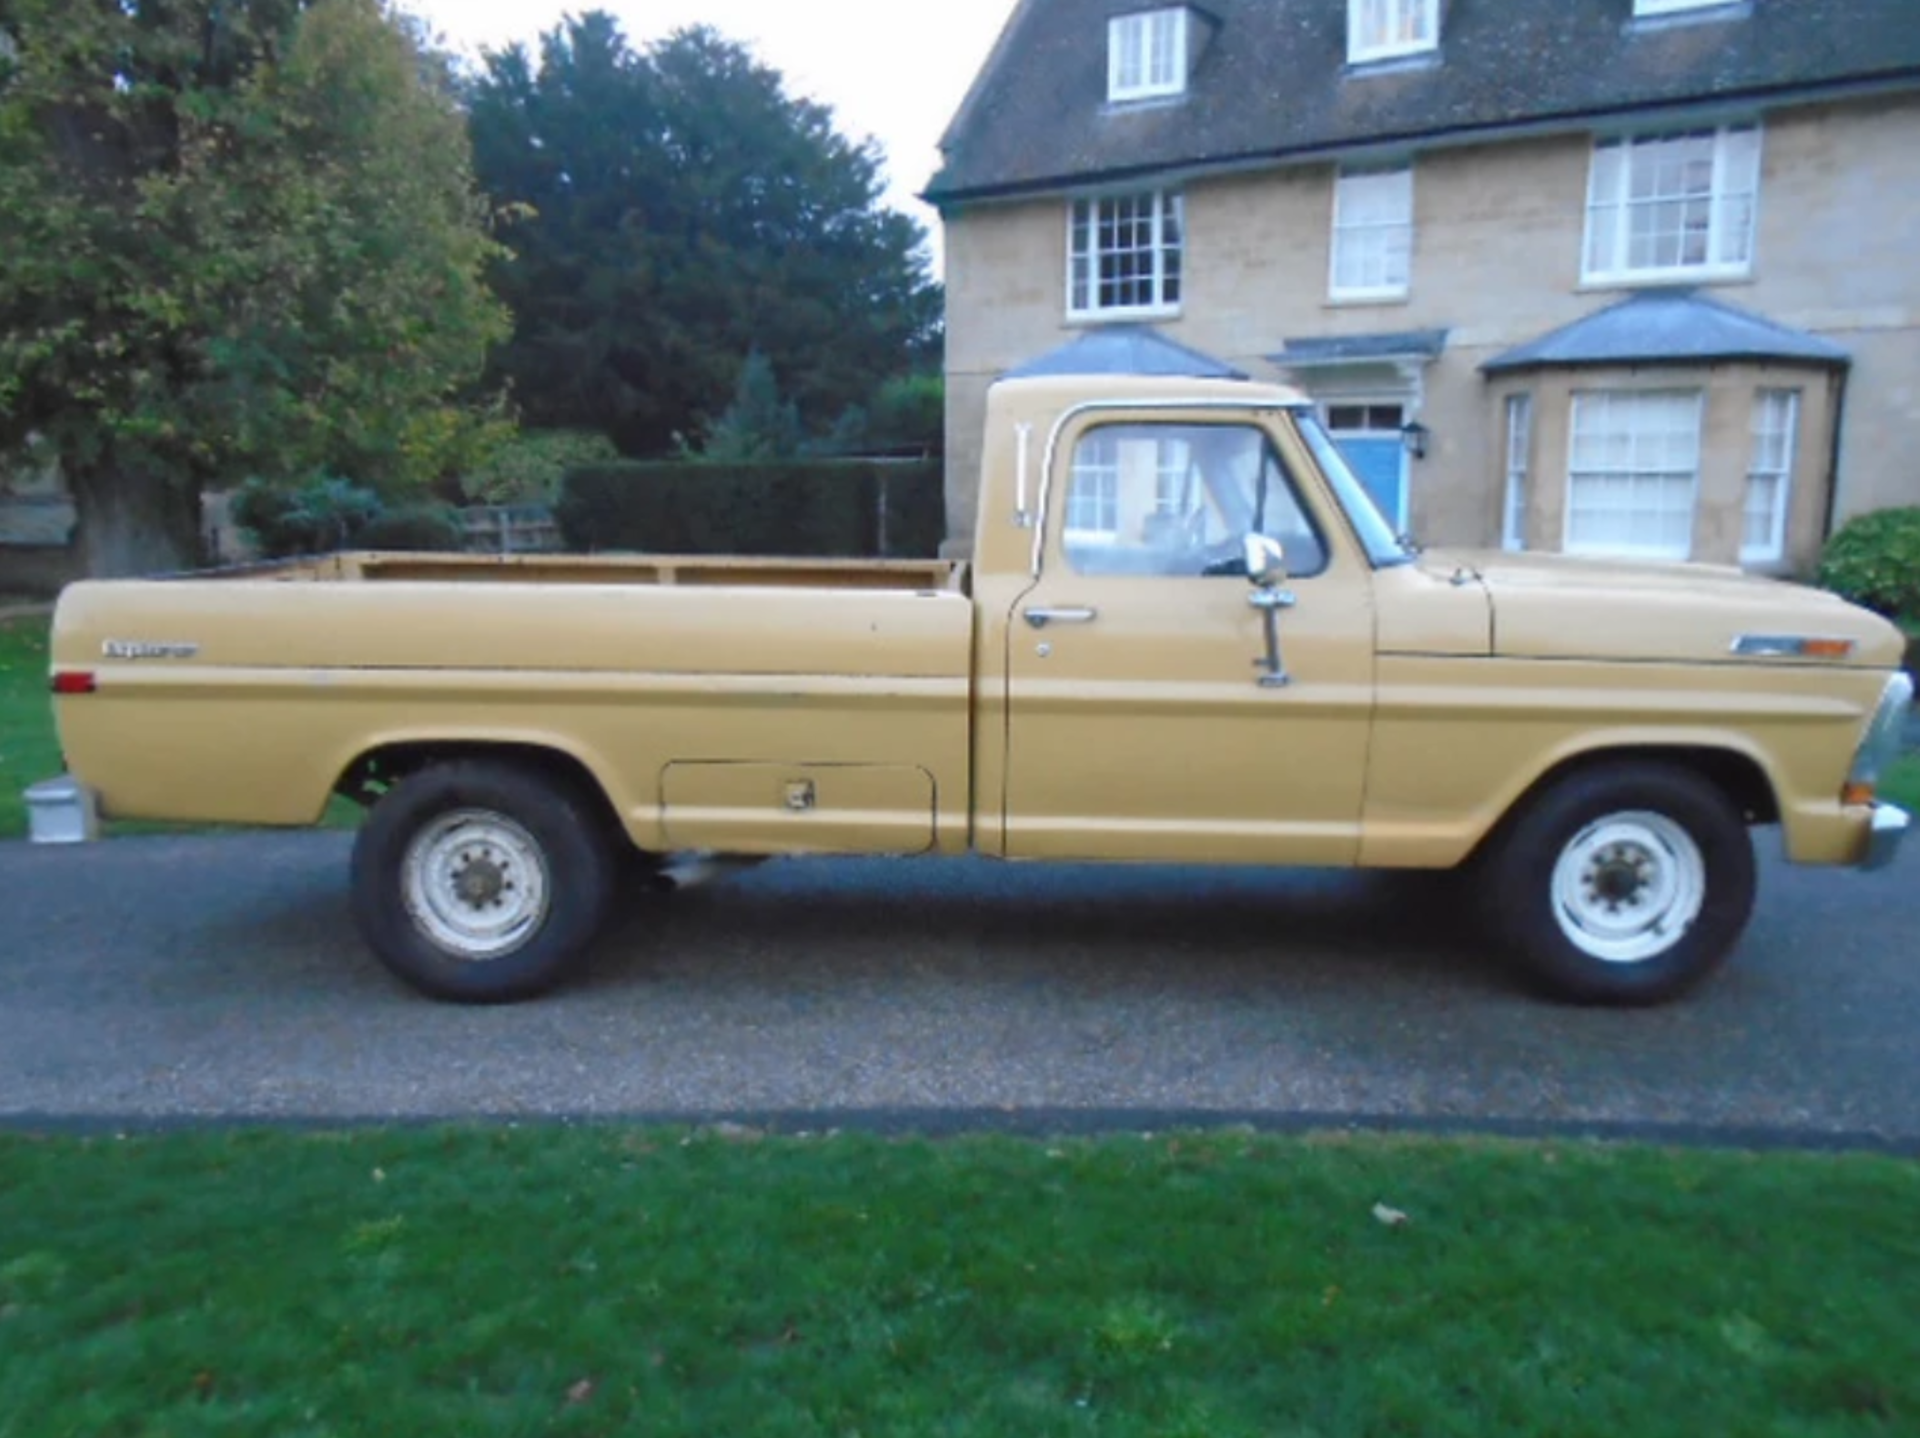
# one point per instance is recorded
(219, 977)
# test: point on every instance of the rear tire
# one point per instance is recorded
(1627, 883)
(482, 881)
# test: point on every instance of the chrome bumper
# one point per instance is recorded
(63, 811)
(1890, 825)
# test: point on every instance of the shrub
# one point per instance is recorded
(530, 467)
(1875, 561)
(325, 514)
(318, 516)
(422, 528)
(834, 510)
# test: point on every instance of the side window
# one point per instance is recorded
(1175, 501)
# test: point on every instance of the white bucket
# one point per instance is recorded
(62, 811)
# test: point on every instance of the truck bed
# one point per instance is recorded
(245, 698)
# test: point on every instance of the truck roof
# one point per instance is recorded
(1060, 392)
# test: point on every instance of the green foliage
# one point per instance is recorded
(1875, 561)
(675, 210)
(419, 528)
(758, 427)
(529, 468)
(910, 412)
(610, 1280)
(907, 415)
(326, 514)
(243, 238)
(29, 749)
(831, 509)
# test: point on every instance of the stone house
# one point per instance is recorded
(1635, 277)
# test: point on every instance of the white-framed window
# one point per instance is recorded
(1093, 493)
(1386, 29)
(1173, 487)
(1372, 234)
(1673, 206)
(1776, 427)
(1633, 477)
(1124, 254)
(1513, 527)
(1147, 55)
(1671, 7)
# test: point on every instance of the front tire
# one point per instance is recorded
(1626, 883)
(482, 881)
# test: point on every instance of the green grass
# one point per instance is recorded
(29, 752)
(1902, 784)
(609, 1282)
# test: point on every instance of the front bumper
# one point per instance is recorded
(1890, 825)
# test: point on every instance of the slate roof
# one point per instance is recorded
(1676, 326)
(1126, 349)
(1360, 349)
(1272, 83)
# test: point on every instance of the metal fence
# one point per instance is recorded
(511, 529)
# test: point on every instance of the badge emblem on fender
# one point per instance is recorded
(136, 649)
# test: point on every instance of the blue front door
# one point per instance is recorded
(1381, 465)
(1369, 436)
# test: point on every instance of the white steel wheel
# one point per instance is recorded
(1628, 887)
(476, 884)
(1624, 882)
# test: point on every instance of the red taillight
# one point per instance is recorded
(72, 682)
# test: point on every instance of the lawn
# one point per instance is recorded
(28, 750)
(604, 1281)
(1902, 784)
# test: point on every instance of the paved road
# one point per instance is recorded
(219, 976)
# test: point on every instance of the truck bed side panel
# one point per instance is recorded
(259, 696)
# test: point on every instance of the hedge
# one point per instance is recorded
(840, 509)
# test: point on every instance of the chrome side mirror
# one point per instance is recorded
(1267, 571)
(1266, 561)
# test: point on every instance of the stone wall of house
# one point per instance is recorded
(1497, 259)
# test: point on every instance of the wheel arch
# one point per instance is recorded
(392, 762)
(1735, 772)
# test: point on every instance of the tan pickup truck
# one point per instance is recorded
(1186, 636)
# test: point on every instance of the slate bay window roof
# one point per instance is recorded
(1124, 350)
(1676, 326)
(1273, 84)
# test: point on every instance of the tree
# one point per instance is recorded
(682, 211)
(243, 240)
(759, 426)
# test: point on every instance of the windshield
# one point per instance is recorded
(1376, 536)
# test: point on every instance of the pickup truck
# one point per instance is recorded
(1186, 636)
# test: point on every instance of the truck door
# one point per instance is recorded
(1139, 725)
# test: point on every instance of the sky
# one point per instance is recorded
(895, 70)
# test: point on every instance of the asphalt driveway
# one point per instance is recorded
(155, 978)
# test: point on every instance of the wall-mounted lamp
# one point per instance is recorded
(1415, 436)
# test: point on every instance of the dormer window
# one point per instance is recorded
(1389, 29)
(1147, 55)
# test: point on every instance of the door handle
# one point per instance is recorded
(1041, 618)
